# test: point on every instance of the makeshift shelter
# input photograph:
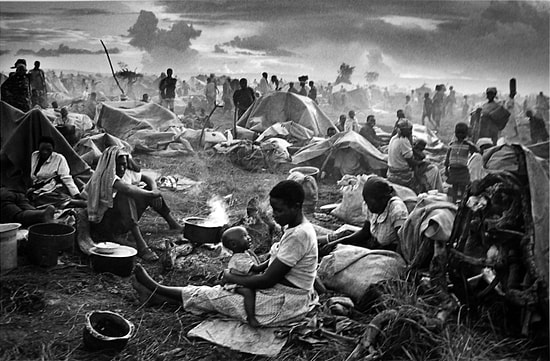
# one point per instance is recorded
(143, 127)
(287, 130)
(279, 107)
(9, 120)
(375, 159)
(16, 152)
(90, 148)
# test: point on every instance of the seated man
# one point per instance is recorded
(115, 203)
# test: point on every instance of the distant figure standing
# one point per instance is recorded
(465, 107)
(185, 88)
(243, 98)
(38, 83)
(407, 109)
(16, 90)
(211, 91)
(227, 94)
(537, 128)
(303, 90)
(312, 91)
(451, 101)
(351, 123)
(167, 88)
(427, 108)
(275, 83)
(437, 105)
(291, 88)
(484, 124)
(263, 88)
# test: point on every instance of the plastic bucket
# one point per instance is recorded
(8, 245)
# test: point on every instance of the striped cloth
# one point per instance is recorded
(275, 306)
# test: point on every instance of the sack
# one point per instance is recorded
(311, 190)
(500, 117)
(352, 270)
(351, 208)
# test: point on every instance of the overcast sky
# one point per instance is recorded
(469, 44)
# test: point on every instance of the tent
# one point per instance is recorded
(9, 120)
(143, 126)
(15, 155)
(279, 107)
(287, 130)
(376, 159)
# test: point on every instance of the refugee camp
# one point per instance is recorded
(274, 180)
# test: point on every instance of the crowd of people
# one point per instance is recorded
(281, 289)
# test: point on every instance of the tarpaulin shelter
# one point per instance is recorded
(287, 130)
(143, 126)
(10, 118)
(280, 107)
(16, 151)
(375, 159)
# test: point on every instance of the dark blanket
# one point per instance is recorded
(15, 154)
(9, 120)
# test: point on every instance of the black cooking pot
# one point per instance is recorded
(46, 240)
(120, 261)
(198, 233)
(106, 330)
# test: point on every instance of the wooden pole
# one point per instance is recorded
(111, 65)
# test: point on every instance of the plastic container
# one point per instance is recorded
(8, 245)
(309, 184)
(46, 240)
(307, 170)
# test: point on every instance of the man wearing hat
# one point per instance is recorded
(16, 90)
(475, 162)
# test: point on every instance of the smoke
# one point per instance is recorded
(218, 212)
(146, 35)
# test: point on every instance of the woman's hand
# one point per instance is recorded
(226, 277)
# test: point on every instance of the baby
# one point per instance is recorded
(243, 262)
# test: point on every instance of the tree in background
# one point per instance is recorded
(344, 74)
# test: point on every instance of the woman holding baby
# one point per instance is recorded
(283, 289)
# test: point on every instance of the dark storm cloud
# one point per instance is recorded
(268, 45)
(81, 12)
(4, 52)
(63, 50)
(219, 50)
(24, 35)
(146, 35)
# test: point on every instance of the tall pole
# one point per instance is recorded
(111, 65)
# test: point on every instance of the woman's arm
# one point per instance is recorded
(259, 268)
(274, 273)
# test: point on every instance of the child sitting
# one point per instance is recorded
(243, 262)
(456, 162)
(421, 167)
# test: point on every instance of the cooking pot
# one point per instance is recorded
(46, 240)
(198, 233)
(120, 262)
(106, 330)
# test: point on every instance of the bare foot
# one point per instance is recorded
(145, 295)
(144, 279)
(48, 213)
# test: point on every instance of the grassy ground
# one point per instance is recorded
(42, 310)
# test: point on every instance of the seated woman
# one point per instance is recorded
(386, 213)
(115, 203)
(52, 183)
(284, 289)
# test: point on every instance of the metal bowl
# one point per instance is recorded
(106, 330)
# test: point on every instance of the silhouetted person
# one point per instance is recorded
(16, 90)
(167, 88)
(243, 98)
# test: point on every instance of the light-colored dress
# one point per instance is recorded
(279, 304)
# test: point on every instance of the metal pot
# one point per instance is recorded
(199, 234)
(46, 240)
(106, 330)
(120, 262)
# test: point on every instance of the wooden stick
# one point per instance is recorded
(111, 65)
